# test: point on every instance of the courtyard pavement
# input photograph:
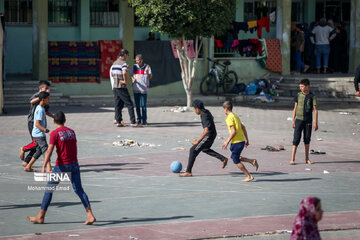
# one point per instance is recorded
(134, 195)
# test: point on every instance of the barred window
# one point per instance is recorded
(18, 11)
(257, 9)
(62, 12)
(104, 12)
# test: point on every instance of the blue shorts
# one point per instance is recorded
(236, 149)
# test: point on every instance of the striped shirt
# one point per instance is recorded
(116, 73)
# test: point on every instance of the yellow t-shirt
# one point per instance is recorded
(234, 120)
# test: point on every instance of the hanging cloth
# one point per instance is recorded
(263, 22)
(252, 26)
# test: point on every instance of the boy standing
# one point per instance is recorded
(206, 139)
(305, 104)
(34, 101)
(239, 139)
(64, 139)
(140, 75)
(39, 130)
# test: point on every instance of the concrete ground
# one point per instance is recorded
(134, 194)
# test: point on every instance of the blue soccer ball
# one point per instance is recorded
(175, 167)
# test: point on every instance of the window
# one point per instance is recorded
(257, 9)
(338, 11)
(104, 12)
(62, 12)
(18, 11)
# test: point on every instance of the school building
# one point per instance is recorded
(36, 30)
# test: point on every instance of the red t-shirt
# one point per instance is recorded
(64, 139)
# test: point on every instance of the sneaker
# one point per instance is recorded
(145, 123)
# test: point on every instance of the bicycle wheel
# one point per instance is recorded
(229, 81)
(208, 85)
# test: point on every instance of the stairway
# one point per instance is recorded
(17, 93)
(328, 88)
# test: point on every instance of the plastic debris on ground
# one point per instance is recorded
(289, 119)
(319, 139)
(273, 149)
(132, 143)
(179, 148)
(308, 169)
(344, 113)
(326, 172)
(264, 98)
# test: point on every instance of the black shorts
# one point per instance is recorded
(302, 126)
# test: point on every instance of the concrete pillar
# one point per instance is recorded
(85, 20)
(126, 29)
(285, 9)
(354, 48)
(40, 39)
(239, 17)
(309, 11)
(205, 54)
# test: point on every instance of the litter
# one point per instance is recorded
(38, 233)
(326, 172)
(132, 238)
(344, 113)
(264, 98)
(74, 235)
(308, 169)
(273, 149)
(312, 151)
(289, 119)
(132, 143)
(179, 148)
(283, 231)
(179, 109)
(319, 139)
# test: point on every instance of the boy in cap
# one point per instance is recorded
(205, 141)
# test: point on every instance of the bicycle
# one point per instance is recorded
(218, 76)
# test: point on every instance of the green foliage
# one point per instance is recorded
(187, 18)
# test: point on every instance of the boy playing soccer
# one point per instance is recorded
(39, 130)
(64, 139)
(206, 139)
(34, 101)
(239, 139)
(305, 103)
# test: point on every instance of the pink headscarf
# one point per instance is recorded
(305, 225)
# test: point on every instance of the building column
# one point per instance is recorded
(283, 32)
(205, 55)
(85, 20)
(126, 28)
(239, 17)
(1, 73)
(40, 39)
(309, 11)
(354, 49)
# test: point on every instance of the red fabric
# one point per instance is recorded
(218, 43)
(64, 139)
(257, 45)
(305, 225)
(109, 52)
(273, 61)
(263, 22)
(30, 145)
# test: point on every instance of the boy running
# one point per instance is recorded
(206, 139)
(39, 130)
(239, 139)
(34, 101)
(64, 139)
(305, 103)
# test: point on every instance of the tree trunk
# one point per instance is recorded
(188, 98)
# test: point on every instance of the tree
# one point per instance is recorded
(183, 20)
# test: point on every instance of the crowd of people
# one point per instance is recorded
(320, 47)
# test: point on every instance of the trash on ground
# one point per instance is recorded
(319, 139)
(344, 113)
(326, 172)
(289, 119)
(132, 143)
(312, 151)
(273, 149)
(264, 98)
(179, 148)
(74, 235)
(283, 231)
(308, 169)
(179, 109)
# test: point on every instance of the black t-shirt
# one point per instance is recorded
(207, 121)
(33, 107)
